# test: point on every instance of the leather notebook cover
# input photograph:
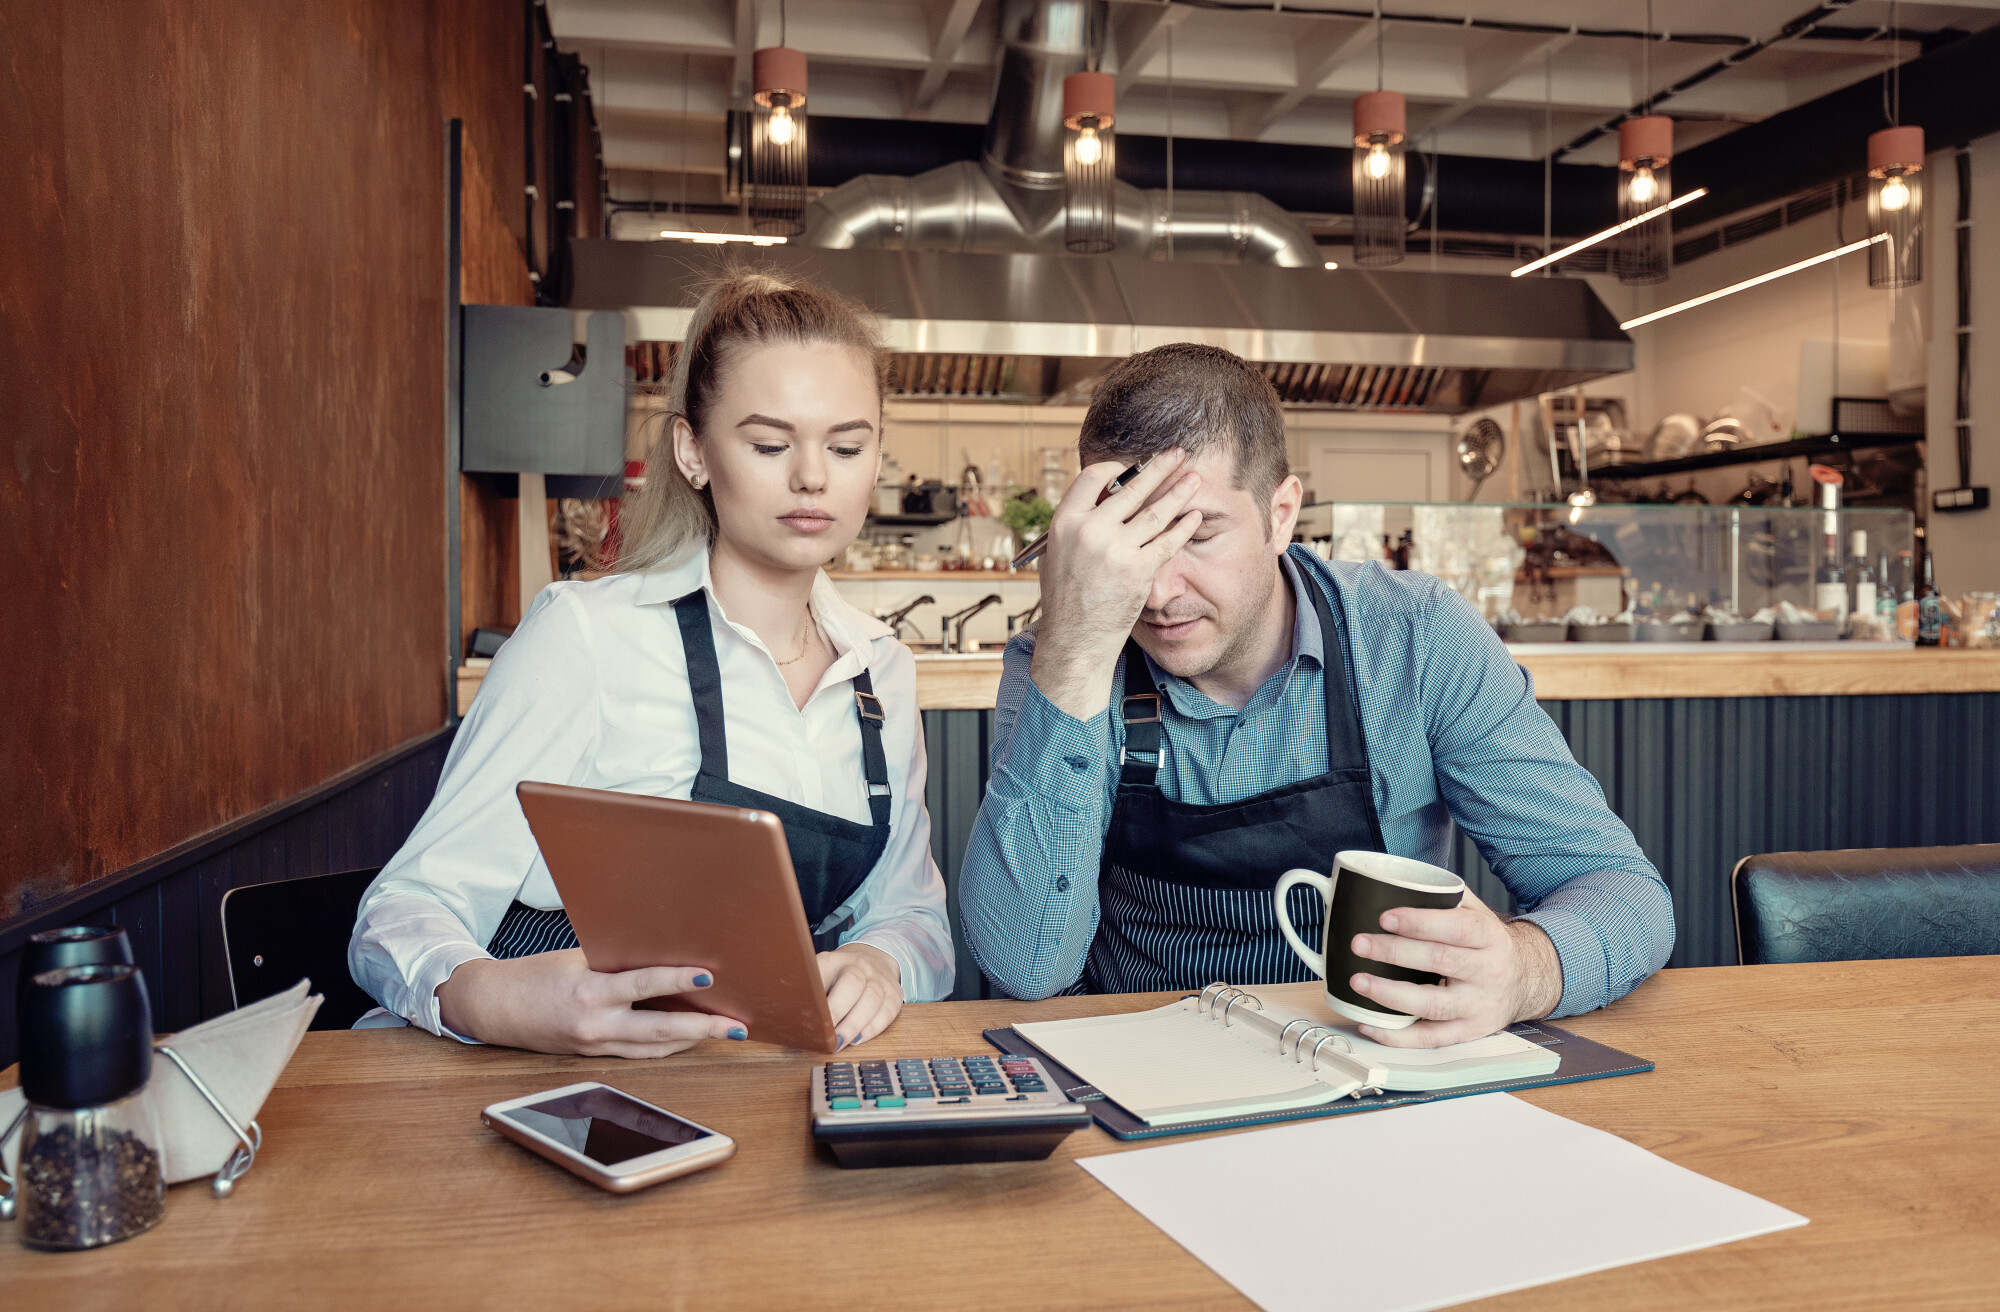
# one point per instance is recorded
(1582, 1059)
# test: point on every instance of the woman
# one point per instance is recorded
(766, 472)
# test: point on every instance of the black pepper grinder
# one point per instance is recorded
(89, 1170)
(73, 945)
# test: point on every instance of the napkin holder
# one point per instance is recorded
(209, 1082)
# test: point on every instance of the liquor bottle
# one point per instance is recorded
(1885, 597)
(1829, 584)
(1930, 607)
(1861, 581)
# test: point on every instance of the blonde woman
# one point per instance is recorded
(717, 663)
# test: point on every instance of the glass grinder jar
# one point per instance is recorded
(89, 1170)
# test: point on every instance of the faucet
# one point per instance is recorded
(894, 619)
(1025, 618)
(955, 624)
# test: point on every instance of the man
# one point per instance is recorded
(1203, 707)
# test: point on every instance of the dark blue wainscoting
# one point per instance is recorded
(1702, 782)
(171, 906)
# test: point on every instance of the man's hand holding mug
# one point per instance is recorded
(1450, 970)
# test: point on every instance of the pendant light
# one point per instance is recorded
(1645, 251)
(1895, 188)
(778, 141)
(1090, 215)
(1380, 123)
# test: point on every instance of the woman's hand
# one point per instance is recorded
(554, 1002)
(864, 991)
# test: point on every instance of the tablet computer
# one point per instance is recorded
(655, 881)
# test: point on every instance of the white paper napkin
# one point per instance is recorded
(239, 1055)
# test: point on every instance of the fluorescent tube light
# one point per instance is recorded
(718, 238)
(1821, 258)
(1632, 222)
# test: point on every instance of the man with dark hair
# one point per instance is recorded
(1203, 707)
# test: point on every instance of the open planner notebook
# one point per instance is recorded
(1244, 1055)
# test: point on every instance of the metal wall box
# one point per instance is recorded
(513, 422)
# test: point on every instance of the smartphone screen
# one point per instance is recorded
(605, 1125)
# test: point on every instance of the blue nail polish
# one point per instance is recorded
(839, 1042)
(703, 980)
(738, 1032)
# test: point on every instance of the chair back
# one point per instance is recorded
(1864, 904)
(276, 933)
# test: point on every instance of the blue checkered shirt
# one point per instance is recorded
(1453, 732)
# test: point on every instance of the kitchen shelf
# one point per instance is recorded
(1829, 444)
(912, 521)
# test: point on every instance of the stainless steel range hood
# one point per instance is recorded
(1033, 327)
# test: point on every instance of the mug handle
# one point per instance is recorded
(1286, 882)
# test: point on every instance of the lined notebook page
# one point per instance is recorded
(1172, 1064)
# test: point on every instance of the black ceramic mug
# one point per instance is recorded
(1364, 885)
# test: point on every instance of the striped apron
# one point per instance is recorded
(1184, 891)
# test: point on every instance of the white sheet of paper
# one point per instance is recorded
(1425, 1206)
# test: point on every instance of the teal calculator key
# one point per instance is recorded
(844, 1104)
(888, 1102)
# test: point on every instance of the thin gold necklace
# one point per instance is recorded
(804, 647)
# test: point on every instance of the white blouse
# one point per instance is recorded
(592, 690)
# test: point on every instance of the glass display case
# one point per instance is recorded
(1551, 573)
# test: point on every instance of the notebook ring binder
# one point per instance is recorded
(1204, 1003)
(1330, 1037)
(1241, 996)
(1286, 1032)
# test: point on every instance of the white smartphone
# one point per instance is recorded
(611, 1139)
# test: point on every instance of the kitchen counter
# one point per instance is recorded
(1588, 672)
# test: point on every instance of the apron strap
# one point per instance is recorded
(704, 681)
(1140, 710)
(874, 765)
(1343, 726)
(705, 688)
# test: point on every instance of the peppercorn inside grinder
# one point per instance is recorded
(89, 1171)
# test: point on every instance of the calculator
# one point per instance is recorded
(916, 1111)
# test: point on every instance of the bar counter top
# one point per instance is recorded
(1591, 672)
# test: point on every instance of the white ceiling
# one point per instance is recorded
(664, 71)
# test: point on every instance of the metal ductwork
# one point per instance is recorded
(1041, 327)
(1012, 199)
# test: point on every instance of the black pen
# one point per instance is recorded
(1034, 549)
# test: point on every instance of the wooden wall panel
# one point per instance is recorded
(171, 908)
(222, 299)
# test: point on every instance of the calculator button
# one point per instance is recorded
(925, 1092)
(889, 1102)
(844, 1104)
(983, 1089)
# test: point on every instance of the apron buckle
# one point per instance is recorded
(869, 706)
(1153, 712)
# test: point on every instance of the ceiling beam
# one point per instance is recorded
(952, 17)
(1502, 62)
(1325, 48)
(1141, 33)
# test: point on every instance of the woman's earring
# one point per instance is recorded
(696, 482)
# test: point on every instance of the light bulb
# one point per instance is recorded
(1643, 186)
(1377, 164)
(779, 129)
(1089, 148)
(1895, 194)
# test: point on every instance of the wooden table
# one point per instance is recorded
(1861, 1095)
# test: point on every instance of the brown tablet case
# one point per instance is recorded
(655, 881)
